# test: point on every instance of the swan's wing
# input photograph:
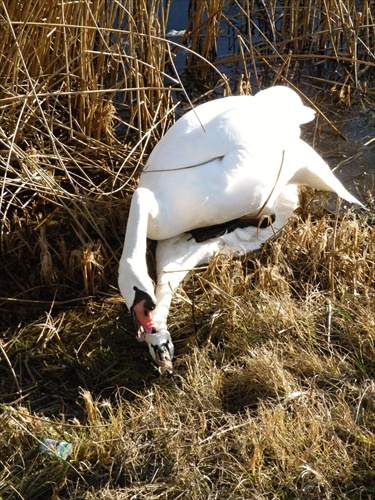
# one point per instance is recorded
(176, 257)
(214, 129)
(284, 104)
(207, 132)
(183, 253)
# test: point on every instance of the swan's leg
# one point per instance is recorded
(160, 343)
(165, 288)
(176, 257)
(135, 284)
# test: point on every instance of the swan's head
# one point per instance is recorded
(161, 349)
(141, 309)
(159, 343)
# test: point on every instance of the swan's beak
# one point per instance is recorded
(161, 349)
(141, 312)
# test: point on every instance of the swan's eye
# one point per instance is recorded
(150, 305)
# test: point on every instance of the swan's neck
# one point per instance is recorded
(133, 266)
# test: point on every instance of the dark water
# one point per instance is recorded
(227, 43)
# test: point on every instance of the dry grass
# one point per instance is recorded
(274, 393)
(274, 396)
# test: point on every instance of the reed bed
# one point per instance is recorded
(273, 395)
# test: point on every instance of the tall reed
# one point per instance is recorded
(88, 87)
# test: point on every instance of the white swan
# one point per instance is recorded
(229, 158)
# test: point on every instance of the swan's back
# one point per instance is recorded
(214, 129)
(236, 160)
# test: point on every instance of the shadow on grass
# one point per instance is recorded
(49, 361)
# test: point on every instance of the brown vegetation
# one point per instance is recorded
(274, 393)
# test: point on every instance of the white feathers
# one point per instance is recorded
(228, 158)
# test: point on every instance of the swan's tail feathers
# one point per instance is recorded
(316, 174)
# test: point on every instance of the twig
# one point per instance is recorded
(11, 367)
